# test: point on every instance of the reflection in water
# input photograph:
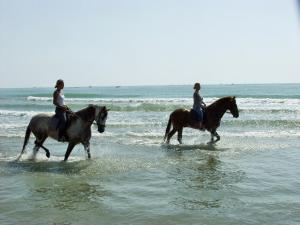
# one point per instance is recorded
(182, 147)
(58, 167)
(60, 185)
(201, 180)
(69, 194)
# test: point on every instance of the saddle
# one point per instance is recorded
(194, 115)
(55, 122)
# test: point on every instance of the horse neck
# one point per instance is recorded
(87, 115)
(219, 108)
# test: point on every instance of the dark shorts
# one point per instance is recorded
(199, 114)
(62, 117)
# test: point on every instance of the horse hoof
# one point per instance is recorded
(48, 155)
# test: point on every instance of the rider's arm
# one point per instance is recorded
(55, 95)
(203, 103)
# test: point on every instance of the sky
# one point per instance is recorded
(153, 42)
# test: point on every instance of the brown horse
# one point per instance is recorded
(181, 118)
(78, 131)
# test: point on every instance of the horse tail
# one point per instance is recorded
(27, 135)
(168, 128)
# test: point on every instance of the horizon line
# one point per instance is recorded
(149, 85)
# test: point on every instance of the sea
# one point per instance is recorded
(251, 176)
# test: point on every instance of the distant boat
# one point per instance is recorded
(117, 86)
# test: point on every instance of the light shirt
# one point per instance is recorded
(61, 99)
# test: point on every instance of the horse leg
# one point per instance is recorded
(217, 136)
(212, 137)
(87, 148)
(179, 135)
(69, 150)
(214, 134)
(40, 144)
(173, 131)
(36, 148)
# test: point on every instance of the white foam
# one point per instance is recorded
(21, 113)
(116, 100)
(263, 134)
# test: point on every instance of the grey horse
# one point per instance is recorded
(78, 131)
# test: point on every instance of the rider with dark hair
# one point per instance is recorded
(198, 105)
(60, 110)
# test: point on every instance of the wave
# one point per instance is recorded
(34, 98)
(114, 100)
(269, 111)
(227, 123)
(263, 123)
(265, 102)
(156, 138)
(248, 118)
(5, 113)
(265, 105)
(209, 100)
(264, 134)
(157, 128)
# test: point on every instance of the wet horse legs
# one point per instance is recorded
(39, 144)
(69, 150)
(87, 148)
(179, 137)
(214, 134)
(173, 131)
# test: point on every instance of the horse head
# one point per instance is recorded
(100, 117)
(232, 107)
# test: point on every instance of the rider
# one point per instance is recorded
(60, 110)
(198, 106)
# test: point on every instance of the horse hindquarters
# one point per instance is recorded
(178, 119)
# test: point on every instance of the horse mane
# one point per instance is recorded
(87, 113)
(221, 100)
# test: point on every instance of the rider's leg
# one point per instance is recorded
(201, 126)
(62, 126)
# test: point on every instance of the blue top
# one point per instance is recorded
(198, 102)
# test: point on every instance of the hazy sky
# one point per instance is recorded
(139, 42)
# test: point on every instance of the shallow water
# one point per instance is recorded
(250, 177)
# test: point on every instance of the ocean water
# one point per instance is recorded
(250, 177)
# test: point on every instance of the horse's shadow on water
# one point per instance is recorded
(57, 167)
(185, 147)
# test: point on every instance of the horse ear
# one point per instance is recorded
(233, 98)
